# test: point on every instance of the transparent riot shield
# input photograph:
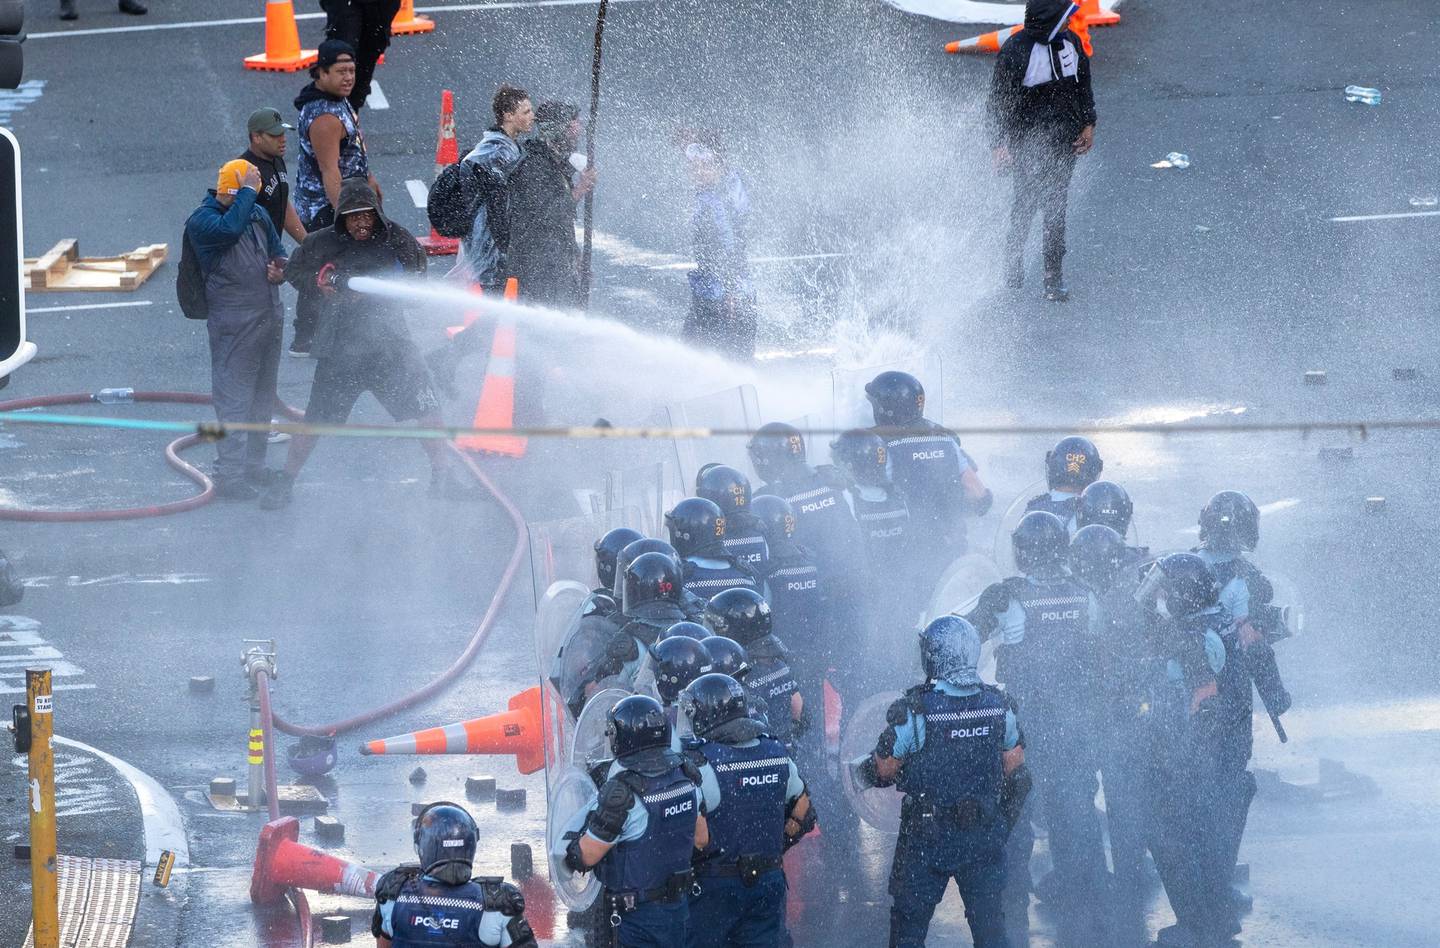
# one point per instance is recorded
(1286, 613)
(570, 794)
(850, 408)
(735, 408)
(644, 494)
(960, 585)
(877, 806)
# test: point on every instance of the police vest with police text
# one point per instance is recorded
(751, 818)
(797, 601)
(744, 541)
(648, 863)
(428, 914)
(1058, 655)
(774, 680)
(961, 759)
(884, 525)
(709, 582)
(927, 471)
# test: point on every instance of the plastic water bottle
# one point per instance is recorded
(115, 396)
(1178, 160)
(1362, 94)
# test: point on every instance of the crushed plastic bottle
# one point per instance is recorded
(1424, 200)
(1173, 160)
(1362, 94)
(115, 396)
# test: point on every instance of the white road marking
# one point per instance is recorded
(419, 194)
(1270, 508)
(254, 20)
(164, 829)
(22, 634)
(972, 11)
(117, 579)
(1383, 217)
(793, 258)
(83, 306)
(377, 98)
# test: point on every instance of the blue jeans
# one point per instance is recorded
(729, 914)
(654, 925)
(926, 861)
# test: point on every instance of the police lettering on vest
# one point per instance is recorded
(427, 913)
(647, 863)
(750, 819)
(960, 759)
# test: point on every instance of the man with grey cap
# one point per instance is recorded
(952, 746)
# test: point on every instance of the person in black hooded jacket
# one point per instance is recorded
(1042, 116)
(362, 341)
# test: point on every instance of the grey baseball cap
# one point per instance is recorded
(267, 122)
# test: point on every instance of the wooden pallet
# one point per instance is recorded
(62, 268)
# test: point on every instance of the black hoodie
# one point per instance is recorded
(352, 324)
(1055, 110)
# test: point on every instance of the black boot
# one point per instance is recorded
(67, 10)
(133, 7)
(1055, 289)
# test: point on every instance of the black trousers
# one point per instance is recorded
(1042, 168)
(365, 25)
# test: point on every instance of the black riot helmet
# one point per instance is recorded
(724, 486)
(1230, 523)
(713, 700)
(776, 516)
(445, 839)
(1097, 556)
(607, 551)
(1188, 583)
(1039, 541)
(695, 524)
(1105, 503)
(775, 449)
(685, 630)
(739, 614)
(635, 549)
(1074, 463)
(652, 577)
(896, 398)
(727, 656)
(677, 662)
(635, 724)
(863, 456)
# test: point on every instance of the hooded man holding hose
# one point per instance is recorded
(1042, 117)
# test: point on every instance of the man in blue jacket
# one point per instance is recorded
(243, 263)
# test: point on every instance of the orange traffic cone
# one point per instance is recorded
(1095, 15)
(447, 152)
(282, 41)
(517, 731)
(496, 408)
(470, 315)
(281, 862)
(984, 43)
(406, 22)
(1081, 29)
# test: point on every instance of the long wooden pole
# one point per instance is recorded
(585, 253)
(45, 902)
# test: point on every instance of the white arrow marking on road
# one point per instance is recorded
(1384, 217)
(377, 98)
(419, 194)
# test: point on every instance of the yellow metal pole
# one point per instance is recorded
(45, 899)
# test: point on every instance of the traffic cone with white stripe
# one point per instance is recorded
(282, 42)
(518, 731)
(447, 152)
(496, 408)
(407, 23)
(1095, 15)
(984, 43)
(470, 315)
(282, 862)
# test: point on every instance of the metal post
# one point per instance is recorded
(45, 896)
(259, 657)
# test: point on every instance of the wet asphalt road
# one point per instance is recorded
(1197, 294)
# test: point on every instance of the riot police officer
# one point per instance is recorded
(729, 490)
(1187, 780)
(823, 522)
(675, 663)
(795, 588)
(756, 808)
(1048, 658)
(1230, 527)
(435, 902)
(728, 657)
(744, 615)
(952, 746)
(1070, 467)
(884, 519)
(607, 554)
(939, 481)
(698, 531)
(686, 629)
(693, 605)
(639, 832)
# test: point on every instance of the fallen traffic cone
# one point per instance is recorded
(470, 315)
(406, 22)
(984, 43)
(517, 731)
(281, 862)
(496, 408)
(282, 42)
(1093, 14)
(447, 152)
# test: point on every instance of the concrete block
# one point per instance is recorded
(480, 787)
(328, 829)
(335, 929)
(202, 685)
(1315, 377)
(522, 862)
(510, 801)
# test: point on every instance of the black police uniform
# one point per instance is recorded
(1064, 507)
(927, 465)
(429, 914)
(772, 678)
(745, 542)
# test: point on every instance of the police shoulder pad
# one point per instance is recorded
(617, 795)
(691, 770)
(502, 897)
(390, 884)
(899, 711)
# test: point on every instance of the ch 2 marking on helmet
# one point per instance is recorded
(1075, 462)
